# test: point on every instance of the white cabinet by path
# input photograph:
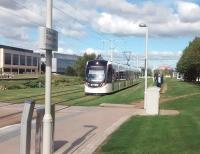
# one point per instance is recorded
(152, 100)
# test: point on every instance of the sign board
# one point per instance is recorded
(48, 39)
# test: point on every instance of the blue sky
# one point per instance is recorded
(84, 25)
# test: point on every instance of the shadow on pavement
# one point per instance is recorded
(59, 144)
(81, 139)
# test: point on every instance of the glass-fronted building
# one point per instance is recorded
(18, 61)
(61, 61)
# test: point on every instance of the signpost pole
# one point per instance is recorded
(47, 120)
(146, 60)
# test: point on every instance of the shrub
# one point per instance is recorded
(39, 83)
(16, 86)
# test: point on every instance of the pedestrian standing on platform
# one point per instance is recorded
(156, 78)
(159, 81)
(162, 79)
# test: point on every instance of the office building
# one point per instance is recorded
(61, 61)
(18, 61)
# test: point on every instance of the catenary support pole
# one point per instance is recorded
(111, 50)
(47, 121)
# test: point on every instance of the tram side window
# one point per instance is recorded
(122, 75)
(110, 73)
(127, 75)
(114, 75)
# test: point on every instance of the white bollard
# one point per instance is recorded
(25, 135)
(152, 100)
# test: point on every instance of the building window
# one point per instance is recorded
(34, 61)
(22, 60)
(7, 58)
(62, 64)
(29, 60)
(14, 70)
(7, 70)
(28, 70)
(21, 71)
(15, 59)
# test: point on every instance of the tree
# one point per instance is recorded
(149, 71)
(70, 71)
(80, 64)
(189, 63)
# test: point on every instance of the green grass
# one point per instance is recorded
(77, 97)
(126, 96)
(162, 134)
(16, 76)
(19, 90)
(58, 94)
(57, 81)
(178, 88)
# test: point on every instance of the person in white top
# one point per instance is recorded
(159, 80)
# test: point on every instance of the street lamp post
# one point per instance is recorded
(146, 60)
(47, 120)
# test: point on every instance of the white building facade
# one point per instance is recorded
(18, 61)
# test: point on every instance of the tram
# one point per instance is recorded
(105, 77)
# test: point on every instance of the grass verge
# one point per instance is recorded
(162, 134)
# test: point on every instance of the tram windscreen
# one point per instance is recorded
(96, 74)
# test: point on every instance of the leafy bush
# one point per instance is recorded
(58, 80)
(39, 83)
(70, 71)
(16, 86)
(65, 80)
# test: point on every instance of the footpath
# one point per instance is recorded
(78, 130)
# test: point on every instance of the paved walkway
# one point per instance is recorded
(76, 127)
(79, 130)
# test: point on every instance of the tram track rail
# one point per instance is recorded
(16, 116)
(10, 101)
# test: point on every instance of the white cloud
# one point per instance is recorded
(17, 20)
(65, 51)
(188, 11)
(164, 55)
(8, 4)
(155, 58)
(19, 17)
(121, 6)
(91, 51)
(162, 58)
(113, 24)
(118, 17)
(162, 20)
(72, 32)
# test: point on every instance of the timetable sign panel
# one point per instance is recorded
(48, 39)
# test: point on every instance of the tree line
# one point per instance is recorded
(78, 69)
(189, 63)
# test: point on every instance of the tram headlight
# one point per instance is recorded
(102, 84)
(86, 83)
